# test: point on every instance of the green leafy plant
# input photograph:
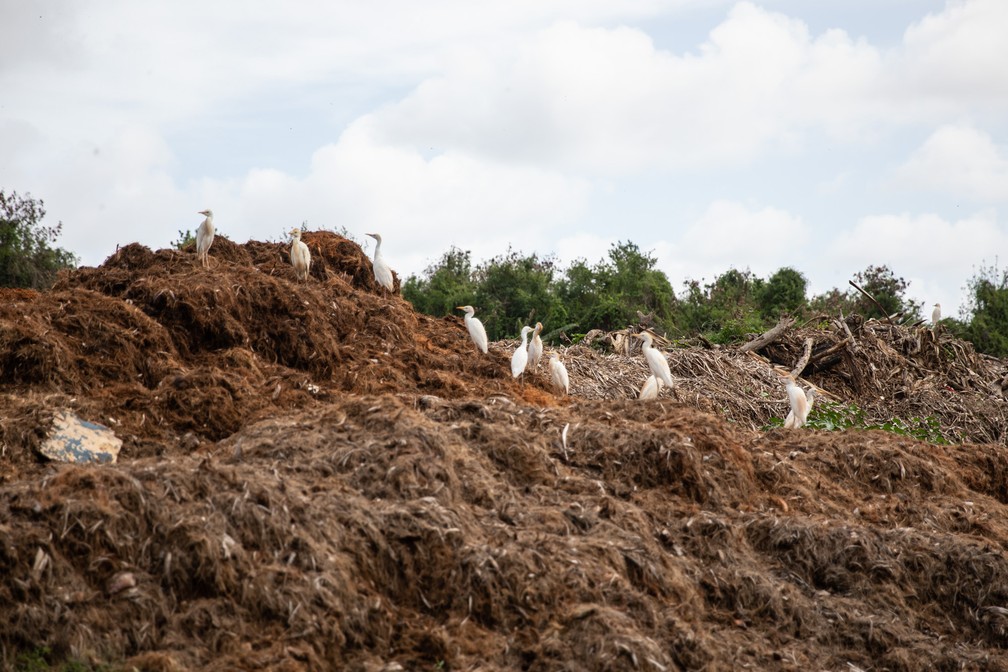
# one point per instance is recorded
(834, 417)
(185, 238)
(42, 659)
(36, 660)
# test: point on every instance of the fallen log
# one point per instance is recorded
(768, 337)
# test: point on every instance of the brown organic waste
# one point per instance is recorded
(314, 476)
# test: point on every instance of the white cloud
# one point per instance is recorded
(958, 54)
(606, 100)
(959, 160)
(113, 193)
(934, 254)
(926, 241)
(732, 235)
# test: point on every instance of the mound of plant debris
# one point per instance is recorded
(158, 348)
(371, 533)
(316, 477)
(915, 379)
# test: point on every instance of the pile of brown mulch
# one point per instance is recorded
(316, 477)
(165, 348)
(159, 348)
(373, 533)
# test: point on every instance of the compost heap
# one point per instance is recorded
(314, 476)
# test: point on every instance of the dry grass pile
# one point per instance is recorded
(885, 370)
(375, 533)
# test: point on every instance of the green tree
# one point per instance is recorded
(724, 310)
(513, 290)
(638, 285)
(888, 290)
(834, 302)
(694, 312)
(27, 258)
(446, 284)
(987, 308)
(881, 283)
(783, 292)
(610, 294)
(733, 292)
(580, 289)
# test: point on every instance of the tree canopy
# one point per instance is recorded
(27, 255)
(888, 290)
(987, 307)
(446, 284)
(609, 294)
(627, 288)
(515, 289)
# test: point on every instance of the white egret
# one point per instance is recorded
(204, 238)
(535, 348)
(299, 255)
(520, 357)
(799, 401)
(936, 314)
(790, 422)
(558, 373)
(475, 327)
(655, 359)
(651, 388)
(382, 271)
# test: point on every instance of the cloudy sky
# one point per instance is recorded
(824, 135)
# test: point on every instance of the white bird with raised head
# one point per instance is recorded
(535, 348)
(655, 359)
(299, 255)
(650, 389)
(558, 373)
(790, 422)
(204, 238)
(799, 400)
(476, 331)
(936, 314)
(382, 271)
(520, 357)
